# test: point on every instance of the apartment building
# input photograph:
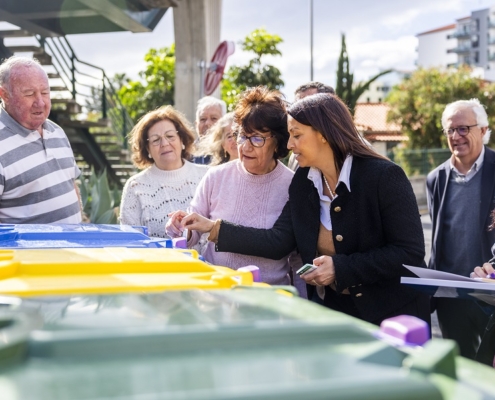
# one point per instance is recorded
(434, 47)
(380, 88)
(470, 41)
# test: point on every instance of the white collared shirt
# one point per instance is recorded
(314, 175)
(472, 171)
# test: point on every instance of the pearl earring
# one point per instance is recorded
(183, 146)
(149, 155)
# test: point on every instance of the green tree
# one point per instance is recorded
(239, 78)
(157, 84)
(417, 103)
(346, 89)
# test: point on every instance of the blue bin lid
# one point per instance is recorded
(77, 235)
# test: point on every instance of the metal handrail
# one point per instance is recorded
(81, 83)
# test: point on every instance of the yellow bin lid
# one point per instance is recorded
(110, 270)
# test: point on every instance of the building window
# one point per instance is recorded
(475, 40)
(476, 57)
(379, 99)
(367, 99)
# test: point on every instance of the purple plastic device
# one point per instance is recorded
(405, 330)
(179, 243)
(254, 270)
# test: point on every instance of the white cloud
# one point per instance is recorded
(401, 19)
(379, 35)
(384, 54)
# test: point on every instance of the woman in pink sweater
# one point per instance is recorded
(252, 190)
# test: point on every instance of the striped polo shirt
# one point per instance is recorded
(36, 175)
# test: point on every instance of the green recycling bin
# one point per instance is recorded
(243, 343)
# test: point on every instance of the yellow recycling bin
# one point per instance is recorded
(111, 270)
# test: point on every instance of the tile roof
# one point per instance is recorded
(442, 28)
(386, 138)
(371, 120)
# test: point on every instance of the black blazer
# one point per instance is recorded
(376, 229)
(436, 185)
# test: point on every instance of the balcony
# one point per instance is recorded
(491, 23)
(491, 57)
(461, 33)
(460, 49)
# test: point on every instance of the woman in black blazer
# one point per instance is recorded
(351, 212)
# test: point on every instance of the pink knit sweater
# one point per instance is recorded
(230, 192)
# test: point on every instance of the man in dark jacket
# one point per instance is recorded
(460, 198)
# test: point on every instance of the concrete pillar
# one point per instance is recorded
(197, 25)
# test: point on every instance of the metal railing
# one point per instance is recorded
(418, 162)
(459, 34)
(460, 49)
(88, 85)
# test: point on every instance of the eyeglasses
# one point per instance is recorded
(462, 130)
(170, 137)
(256, 141)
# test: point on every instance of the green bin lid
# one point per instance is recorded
(238, 344)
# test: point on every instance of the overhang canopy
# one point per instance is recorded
(51, 18)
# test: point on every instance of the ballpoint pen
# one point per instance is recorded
(488, 275)
(491, 275)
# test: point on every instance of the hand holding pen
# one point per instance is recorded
(487, 271)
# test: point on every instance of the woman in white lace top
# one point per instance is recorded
(161, 143)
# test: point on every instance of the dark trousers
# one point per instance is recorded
(486, 351)
(463, 321)
(419, 307)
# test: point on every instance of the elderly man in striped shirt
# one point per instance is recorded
(37, 166)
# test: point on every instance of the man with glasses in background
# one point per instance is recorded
(460, 199)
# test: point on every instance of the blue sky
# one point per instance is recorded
(380, 35)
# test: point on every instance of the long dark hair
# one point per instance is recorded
(330, 116)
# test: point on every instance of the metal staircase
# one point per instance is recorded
(84, 103)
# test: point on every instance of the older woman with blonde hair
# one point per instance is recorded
(161, 143)
(219, 142)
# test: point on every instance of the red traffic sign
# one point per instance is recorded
(214, 72)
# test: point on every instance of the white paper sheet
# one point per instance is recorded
(426, 273)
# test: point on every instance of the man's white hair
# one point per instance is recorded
(209, 101)
(13, 62)
(473, 104)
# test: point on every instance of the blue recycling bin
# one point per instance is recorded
(37, 236)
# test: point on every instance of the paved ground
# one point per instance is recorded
(425, 220)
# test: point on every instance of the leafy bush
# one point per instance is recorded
(100, 203)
